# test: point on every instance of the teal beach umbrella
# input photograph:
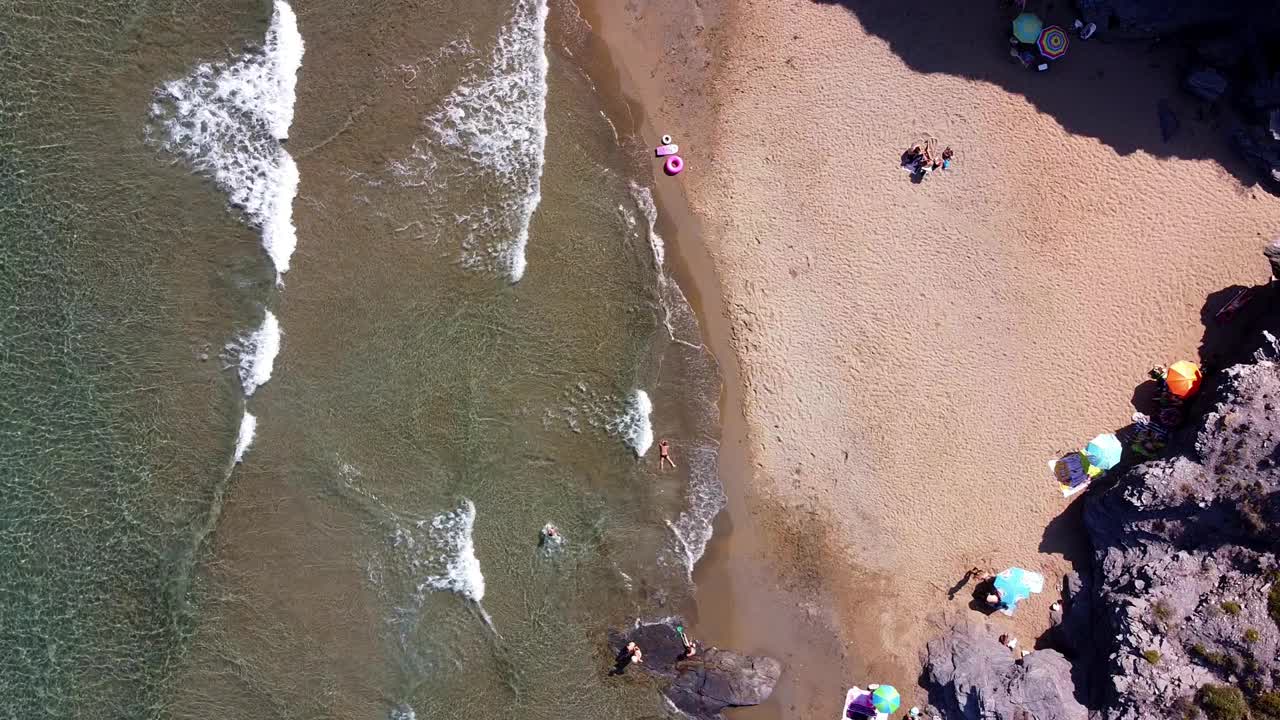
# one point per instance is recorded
(1104, 451)
(886, 699)
(1014, 585)
(1027, 27)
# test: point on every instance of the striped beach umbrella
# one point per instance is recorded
(1104, 451)
(886, 699)
(1053, 42)
(1183, 379)
(1026, 28)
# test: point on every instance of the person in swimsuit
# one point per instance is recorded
(664, 455)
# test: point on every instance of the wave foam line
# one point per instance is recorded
(244, 438)
(451, 533)
(499, 126)
(634, 424)
(230, 119)
(258, 354)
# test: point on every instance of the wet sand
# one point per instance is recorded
(901, 359)
(746, 600)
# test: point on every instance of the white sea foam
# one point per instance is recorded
(449, 556)
(692, 530)
(496, 125)
(644, 201)
(626, 418)
(258, 354)
(248, 426)
(633, 424)
(229, 120)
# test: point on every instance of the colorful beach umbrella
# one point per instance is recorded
(1053, 42)
(1027, 27)
(1015, 585)
(1104, 451)
(886, 699)
(1183, 379)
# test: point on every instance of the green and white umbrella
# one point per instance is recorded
(886, 699)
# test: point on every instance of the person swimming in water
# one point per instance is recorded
(664, 455)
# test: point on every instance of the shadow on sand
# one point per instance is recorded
(1109, 91)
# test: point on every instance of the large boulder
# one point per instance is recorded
(718, 679)
(705, 684)
(971, 676)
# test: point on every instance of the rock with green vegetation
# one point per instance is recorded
(1178, 615)
(1222, 702)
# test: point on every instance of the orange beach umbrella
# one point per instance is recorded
(1183, 379)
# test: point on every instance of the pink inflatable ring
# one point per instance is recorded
(673, 165)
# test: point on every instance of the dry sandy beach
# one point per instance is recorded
(907, 356)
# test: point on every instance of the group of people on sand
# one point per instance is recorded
(922, 160)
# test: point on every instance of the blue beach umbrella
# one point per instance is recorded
(1027, 27)
(1015, 585)
(1104, 451)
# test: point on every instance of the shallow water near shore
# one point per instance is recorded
(391, 300)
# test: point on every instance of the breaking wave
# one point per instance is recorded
(442, 550)
(230, 120)
(491, 133)
(258, 354)
(244, 438)
(625, 418)
(633, 425)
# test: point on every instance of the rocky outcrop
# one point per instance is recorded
(720, 679)
(1232, 63)
(1177, 615)
(971, 676)
(703, 685)
(1185, 562)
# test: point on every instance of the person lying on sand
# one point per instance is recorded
(911, 158)
(664, 455)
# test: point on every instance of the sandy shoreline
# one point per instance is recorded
(910, 355)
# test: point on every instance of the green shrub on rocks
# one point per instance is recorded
(1222, 702)
(1273, 599)
(1152, 656)
(1251, 635)
(1267, 706)
(1230, 607)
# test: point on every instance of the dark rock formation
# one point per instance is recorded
(1207, 84)
(971, 676)
(705, 684)
(1273, 256)
(1262, 152)
(1185, 561)
(1177, 615)
(1233, 61)
(719, 679)
(1155, 18)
